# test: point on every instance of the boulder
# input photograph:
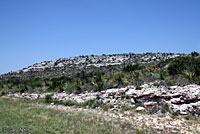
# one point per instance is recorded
(175, 100)
(184, 109)
(140, 108)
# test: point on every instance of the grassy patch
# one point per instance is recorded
(18, 116)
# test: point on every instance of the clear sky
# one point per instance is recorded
(33, 31)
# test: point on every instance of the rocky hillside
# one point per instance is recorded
(92, 63)
(157, 83)
(97, 73)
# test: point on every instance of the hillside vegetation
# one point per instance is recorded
(174, 71)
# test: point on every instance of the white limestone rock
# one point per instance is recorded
(140, 108)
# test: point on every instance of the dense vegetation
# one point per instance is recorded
(180, 70)
(190, 67)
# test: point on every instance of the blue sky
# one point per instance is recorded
(33, 31)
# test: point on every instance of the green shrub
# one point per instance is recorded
(2, 93)
(126, 108)
(77, 89)
(70, 103)
(95, 104)
(24, 89)
(106, 107)
(175, 113)
(131, 68)
(48, 98)
(137, 76)
(140, 131)
(36, 83)
(1, 85)
(91, 104)
(125, 96)
(194, 54)
(138, 87)
(187, 117)
(110, 95)
(164, 107)
(182, 64)
(156, 84)
(162, 75)
(169, 82)
(111, 106)
(61, 89)
(198, 80)
(55, 84)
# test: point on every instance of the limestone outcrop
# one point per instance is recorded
(180, 99)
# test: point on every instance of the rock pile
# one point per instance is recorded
(184, 100)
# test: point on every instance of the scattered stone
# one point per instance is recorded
(140, 108)
(150, 103)
(176, 100)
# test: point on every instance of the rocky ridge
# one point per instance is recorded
(67, 66)
(181, 99)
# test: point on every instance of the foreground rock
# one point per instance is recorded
(183, 100)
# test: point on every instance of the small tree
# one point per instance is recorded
(194, 54)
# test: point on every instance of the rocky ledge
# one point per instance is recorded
(180, 99)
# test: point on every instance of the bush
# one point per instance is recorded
(118, 79)
(164, 107)
(194, 54)
(126, 108)
(156, 84)
(124, 96)
(1, 85)
(131, 68)
(24, 89)
(70, 103)
(175, 113)
(48, 98)
(106, 107)
(36, 83)
(188, 117)
(162, 76)
(187, 66)
(78, 89)
(138, 88)
(2, 93)
(198, 80)
(137, 76)
(140, 131)
(128, 96)
(91, 103)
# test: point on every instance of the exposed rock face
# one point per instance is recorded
(184, 100)
(67, 66)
